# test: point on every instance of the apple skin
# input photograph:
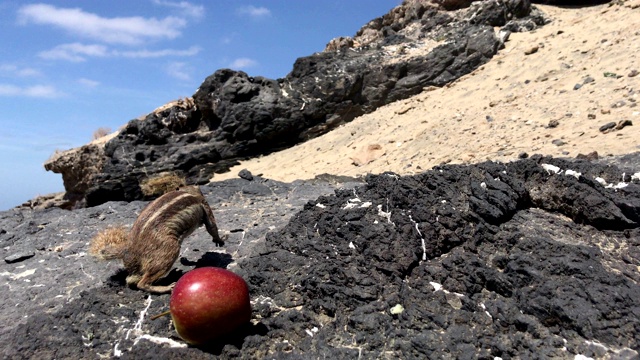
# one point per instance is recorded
(209, 302)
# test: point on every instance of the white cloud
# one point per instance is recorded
(185, 7)
(36, 91)
(194, 50)
(88, 82)
(14, 70)
(75, 52)
(254, 12)
(243, 63)
(179, 70)
(117, 30)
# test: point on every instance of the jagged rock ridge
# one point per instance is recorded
(237, 116)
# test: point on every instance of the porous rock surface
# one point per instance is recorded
(532, 259)
(236, 116)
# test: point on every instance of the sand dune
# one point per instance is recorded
(548, 92)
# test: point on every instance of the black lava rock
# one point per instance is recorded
(528, 259)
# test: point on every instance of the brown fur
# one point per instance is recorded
(153, 244)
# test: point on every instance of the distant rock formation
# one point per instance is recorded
(234, 116)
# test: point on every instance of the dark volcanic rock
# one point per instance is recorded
(234, 116)
(571, 2)
(531, 259)
(61, 303)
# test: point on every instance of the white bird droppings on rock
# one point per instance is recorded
(551, 168)
(573, 173)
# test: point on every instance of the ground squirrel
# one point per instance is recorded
(152, 246)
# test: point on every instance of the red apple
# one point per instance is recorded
(208, 302)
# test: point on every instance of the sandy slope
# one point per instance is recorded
(500, 110)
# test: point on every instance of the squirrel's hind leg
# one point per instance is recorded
(156, 267)
(147, 280)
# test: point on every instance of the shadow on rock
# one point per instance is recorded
(209, 258)
(237, 339)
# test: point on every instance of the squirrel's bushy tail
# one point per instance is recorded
(109, 243)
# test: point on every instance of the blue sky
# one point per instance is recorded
(68, 68)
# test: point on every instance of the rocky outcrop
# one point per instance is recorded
(535, 258)
(78, 168)
(236, 116)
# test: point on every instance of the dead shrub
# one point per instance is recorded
(103, 131)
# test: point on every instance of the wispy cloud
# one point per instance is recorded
(16, 71)
(243, 63)
(36, 91)
(179, 70)
(254, 11)
(77, 52)
(184, 7)
(192, 51)
(118, 30)
(88, 83)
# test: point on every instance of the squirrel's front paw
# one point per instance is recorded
(222, 239)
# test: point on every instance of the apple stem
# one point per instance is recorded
(160, 315)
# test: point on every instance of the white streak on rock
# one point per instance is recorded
(424, 247)
(19, 275)
(617, 186)
(386, 215)
(551, 168)
(573, 173)
(160, 341)
(137, 328)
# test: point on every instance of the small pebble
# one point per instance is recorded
(622, 123)
(14, 258)
(607, 126)
(619, 104)
(245, 174)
